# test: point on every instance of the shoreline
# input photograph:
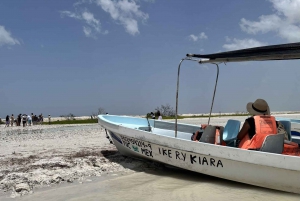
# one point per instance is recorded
(187, 115)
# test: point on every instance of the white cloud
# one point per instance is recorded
(90, 20)
(87, 31)
(92, 25)
(78, 3)
(285, 21)
(6, 38)
(267, 23)
(125, 12)
(131, 26)
(289, 8)
(242, 44)
(70, 14)
(195, 38)
(291, 32)
(202, 35)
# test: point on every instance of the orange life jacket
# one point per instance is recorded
(264, 126)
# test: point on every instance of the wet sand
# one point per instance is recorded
(77, 162)
(163, 184)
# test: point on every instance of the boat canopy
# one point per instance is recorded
(264, 53)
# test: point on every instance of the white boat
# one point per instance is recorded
(170, 143)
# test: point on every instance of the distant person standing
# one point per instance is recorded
(159, 117)
(152, 115)
(19, 120)
(40, 119)
(24, 119)
(49, 118)
(7, 121)
(35, 119)
(29, 120)
(32, 118)
(12, 120)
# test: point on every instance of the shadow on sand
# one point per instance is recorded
(163, 170)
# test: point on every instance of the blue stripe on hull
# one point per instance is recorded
(115, 137)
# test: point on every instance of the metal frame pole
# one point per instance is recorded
(213, 99)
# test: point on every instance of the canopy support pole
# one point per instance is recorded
(187, 58)
(213, 99)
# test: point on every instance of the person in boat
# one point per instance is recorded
(258, 126)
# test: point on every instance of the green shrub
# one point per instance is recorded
(72, 121)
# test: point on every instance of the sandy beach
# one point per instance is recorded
(35, 160)
(44, 155)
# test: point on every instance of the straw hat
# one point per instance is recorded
(259, 107)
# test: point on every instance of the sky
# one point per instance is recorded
(61, 57)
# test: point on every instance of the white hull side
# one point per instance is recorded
(139, 144)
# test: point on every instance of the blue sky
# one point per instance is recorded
(60, 57)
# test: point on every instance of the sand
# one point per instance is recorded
(44, 155)
(51, 155)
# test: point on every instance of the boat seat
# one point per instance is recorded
(295, 133)
(209, 135)
(231, 130)
(273, 144)
(287, 127)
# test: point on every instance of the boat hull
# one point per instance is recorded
(274, 171)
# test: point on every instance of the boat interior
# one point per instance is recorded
(228, 133)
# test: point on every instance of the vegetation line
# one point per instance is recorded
(91, 121)
(74, 121)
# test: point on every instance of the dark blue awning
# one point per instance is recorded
(264, 53)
